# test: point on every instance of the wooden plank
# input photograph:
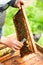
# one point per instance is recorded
(39, 63)
(8, 56)
(17, 60)
(39, 48)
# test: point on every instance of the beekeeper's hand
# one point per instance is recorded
(14, 44)
(18, 3)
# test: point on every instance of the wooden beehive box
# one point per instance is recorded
(33, 58)
(15, 59)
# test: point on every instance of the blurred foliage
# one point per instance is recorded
(40, 41)
(39, 4)
(35, 17)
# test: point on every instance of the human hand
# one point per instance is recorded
(13, 44)
(18, 3)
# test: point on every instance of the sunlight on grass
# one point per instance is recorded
(41, 41)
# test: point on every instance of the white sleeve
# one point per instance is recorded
(3, 2)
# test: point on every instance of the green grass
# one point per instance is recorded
(35, 18)
(41, 41)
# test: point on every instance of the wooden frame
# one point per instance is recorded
(23, 31)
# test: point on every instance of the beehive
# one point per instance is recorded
(29, 57)
(15, 59)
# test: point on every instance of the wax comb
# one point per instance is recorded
(23, 31)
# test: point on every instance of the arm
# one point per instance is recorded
(6, 3)
(12, 42)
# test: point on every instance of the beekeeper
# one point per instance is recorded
(4, 4)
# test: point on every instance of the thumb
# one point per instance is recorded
(19, 5)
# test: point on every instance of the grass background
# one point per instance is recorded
(35, 18)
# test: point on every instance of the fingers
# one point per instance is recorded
(16, 45)
(19, 3)
(14, 49)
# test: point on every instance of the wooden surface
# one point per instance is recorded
(31, 59)
(8, 56)
(39, 48)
